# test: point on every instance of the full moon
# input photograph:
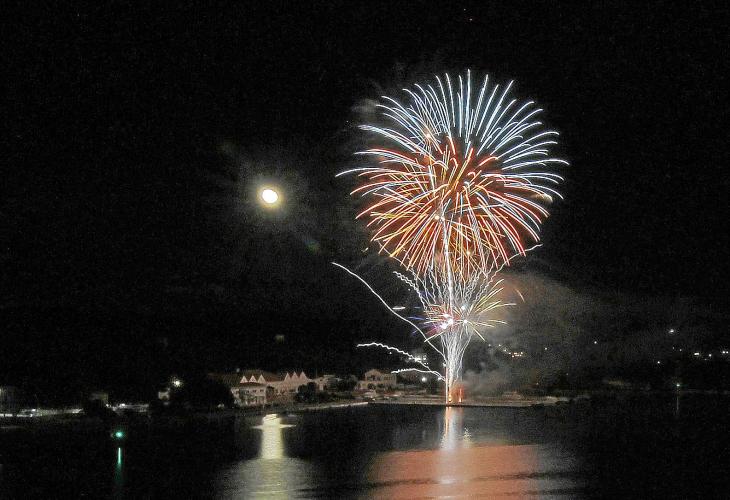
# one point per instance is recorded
(269, 196)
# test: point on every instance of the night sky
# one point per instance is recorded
(131, 244)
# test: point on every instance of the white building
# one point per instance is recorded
(252, 385)
(282, 383)
(250, 394)
(291, 383)
(375, 379)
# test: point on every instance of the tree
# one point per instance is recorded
(347, 384)
(307, 393)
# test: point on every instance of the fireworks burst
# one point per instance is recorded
(458, 184)
(459, 176)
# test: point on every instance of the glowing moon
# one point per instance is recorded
(269, 196)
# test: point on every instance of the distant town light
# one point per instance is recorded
(423, 379)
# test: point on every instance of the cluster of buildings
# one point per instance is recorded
(258, 387)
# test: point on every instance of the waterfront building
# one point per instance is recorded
(376, 379)
(292, 382)
(250, 393)
(326, 381)
(266, 385)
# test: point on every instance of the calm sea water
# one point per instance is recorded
(639, 447)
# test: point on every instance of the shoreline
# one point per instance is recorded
(75, 417)
(484, 403)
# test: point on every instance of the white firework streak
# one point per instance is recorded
(372, 290)
(409, 356)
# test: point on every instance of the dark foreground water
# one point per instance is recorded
(635, 447)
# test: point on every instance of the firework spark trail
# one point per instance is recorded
(457, 176)
(372, 290)
(408, 355)
(425, 372)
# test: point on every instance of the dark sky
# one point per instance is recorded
(135, 138)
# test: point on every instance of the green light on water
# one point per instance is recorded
(119, 457)
(119, 434)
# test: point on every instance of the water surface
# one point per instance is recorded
(633, 447)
